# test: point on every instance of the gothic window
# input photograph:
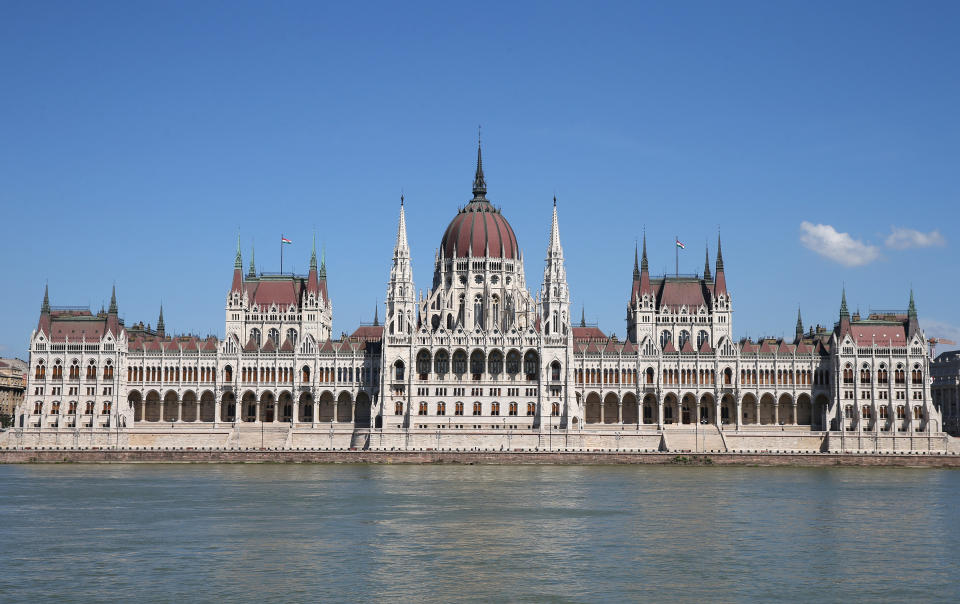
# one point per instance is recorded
(458, 408)
(75, 369)
(255, 336)
(727, 376)
(274, 335)
(917, 412)
(495, 315)
(423, 363)
(106, 408)
(478, 311)
(649, 374)
(495, 363)
(292, 336)
(441, 408)
(41, 370)
(423, 409)
(665, 337)
(398, 370)
(555, 370)
(684, 337)
(89, 409)
(513, 362)
(555, 409)
(476, 363)
(459, 362)
(55, 408)
(477, 408)
(531, 409)
(702, 336)
(900, 412)
(72, 408)
(494, 408)
(513, 409)
(530, 363)
(441, 362)
(398, 408)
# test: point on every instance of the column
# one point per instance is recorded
(716, 414)
(179, 407)
(603, 404)
(659, 414)
(276, 410)
(620, 412)
(217, 410)
(793, 408)
(196, 417)
(296, 411)
(236, 411)
(336, 410)
(739, 407)
(776, 412)
(161, 410)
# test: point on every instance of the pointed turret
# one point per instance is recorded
(45, 306)
(913, 323)
(376, 315)
(252, 273)
(400, 291)
(479, 182)
(706, 266)
(720, 280)
(844, 314)
(644, 270)
(113, 322)
(161, 330)
(237, 284)
(799, 330)
(313, 281)
(554, 249)
(583, 316)
(636, 265)
(555, 302)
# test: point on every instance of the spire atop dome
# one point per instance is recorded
(479, 182)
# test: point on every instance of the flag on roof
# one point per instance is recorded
(284, 239)
(680, 245)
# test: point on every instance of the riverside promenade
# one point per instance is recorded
(52, 455)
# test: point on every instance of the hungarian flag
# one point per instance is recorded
(680, 245)
(284, 239)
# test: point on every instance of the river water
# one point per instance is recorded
(304, 533)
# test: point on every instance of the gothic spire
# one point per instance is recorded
(799, 332)
(238, 261)
(253, 265)
(554, 233)
(323, 262)
(401, 244)
(313, 254)
(160, 326)
(706, 266)
(643, 259)
(636, 266)
(912, 309)
(719, 278)
(479, 182)
(719, 255)
(113, 301)
(583, 316)
(843, 305)
(45, 307)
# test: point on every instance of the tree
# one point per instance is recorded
(6, 420)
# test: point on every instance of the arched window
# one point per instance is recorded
(649, 374)
(441, 408)
(531, 409)
(75, 370)
(478, 311)
(423, 409)
(458, 408)
(684, 337)
(495, 363)
(398, 370)
(459, 362)
(228, 373)
(274, 335)
(727, 376)
(494, 408)
(865, 412)
(555, 410)
(55, 408)
(665, 338)
(255, 336)
(513, 362)
(398, 408)
(477, 363)
(555, 370)
(305, 374)
(41, 371)
(292, 336)
(530, 363)
(441, 362)
(513, 409)
(495, 314)
(901, 414)
(72, 408)
(423, 363)
(917, 412)
(477, 408)
(702, 336)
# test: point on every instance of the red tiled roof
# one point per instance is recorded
(705, 348)
(883, 334)
(669, 347)
(481, 228)
(588, 333)
(687, 346)
(368, 332)
(674, 294)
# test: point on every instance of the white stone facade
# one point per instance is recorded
(479, 362)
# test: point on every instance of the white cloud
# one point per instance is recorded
(839, 247)
(901, 239)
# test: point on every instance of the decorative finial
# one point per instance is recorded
(479, 182)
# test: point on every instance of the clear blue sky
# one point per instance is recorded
(820, 137)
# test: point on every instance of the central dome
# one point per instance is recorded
(479, 229)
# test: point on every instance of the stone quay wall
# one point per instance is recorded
(67, 455)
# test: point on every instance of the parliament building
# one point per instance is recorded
(479, 362)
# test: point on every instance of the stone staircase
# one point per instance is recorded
(250, 437)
